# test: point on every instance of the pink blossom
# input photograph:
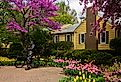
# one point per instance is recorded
(59, 60)
(13, 25)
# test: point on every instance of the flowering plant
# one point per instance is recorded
(84, 67)
(24, 15)
(109, 8)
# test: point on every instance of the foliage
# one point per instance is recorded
(28, 11)
(63, 45)
(111, 10)
(71, 72)
(84, 77)
(6, 37)
(15, 50)
(116, 59)
(112, 73)
(85, 56)
(6, 59)
(3, 51)
(90, 77)
(67, 79)
(42, 40)
(64, 17)
(101, 58)
(7, 63)
(21, 16)
(116, 45)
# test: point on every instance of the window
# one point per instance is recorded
(56, 38)
(103, 37)
(81, 38)
(68, 37)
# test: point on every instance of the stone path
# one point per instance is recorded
(42, 74)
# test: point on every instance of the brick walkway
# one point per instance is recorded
(42, 74)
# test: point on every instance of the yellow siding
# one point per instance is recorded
(111, 36)
(80, 30)
(62, 37)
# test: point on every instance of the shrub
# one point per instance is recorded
(116, 44)
(15, 49)
(101, 58)
(63, 45)
(83, 55)
(3, 51)
(42, 40)
(116, 59)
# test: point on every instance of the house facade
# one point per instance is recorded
(79, 34)
(74, 33)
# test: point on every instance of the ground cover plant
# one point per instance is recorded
(78, 72)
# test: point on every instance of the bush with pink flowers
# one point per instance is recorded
(112, 73)
(73, 69)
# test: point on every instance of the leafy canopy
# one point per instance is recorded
(27, 13)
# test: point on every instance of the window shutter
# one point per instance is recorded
(98, 38)
(71, 37)
(79, 38)
(58, 38)
(65, 37)
(107, 37)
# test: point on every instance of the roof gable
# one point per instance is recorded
(68, 29)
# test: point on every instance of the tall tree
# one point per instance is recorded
(25, 14)
(111, 10)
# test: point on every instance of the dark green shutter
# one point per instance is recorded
(58, 37)
(98, 38)
(65, 37)
(107, 37)
(71, 37)
(79, 38)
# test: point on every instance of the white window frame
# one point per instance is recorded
(101, 38)
(56, 39)
(81, 38)
(69, 35)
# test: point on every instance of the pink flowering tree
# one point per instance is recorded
(25, 14)
(111, 10)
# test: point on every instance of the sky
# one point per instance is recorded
(74, 4)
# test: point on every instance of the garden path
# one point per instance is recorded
(42, 74)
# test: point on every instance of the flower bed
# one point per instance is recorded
(6, 61)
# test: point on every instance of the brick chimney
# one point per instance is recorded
(90, 41)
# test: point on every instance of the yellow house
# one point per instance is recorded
(74, 33)
(79, 34)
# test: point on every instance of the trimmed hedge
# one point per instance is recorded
(86, 56)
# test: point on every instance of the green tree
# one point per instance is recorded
(65, 16)
(42, 39)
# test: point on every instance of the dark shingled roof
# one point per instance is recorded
(71, 28)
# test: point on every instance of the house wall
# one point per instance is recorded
(80, 30)
(62, 36)
(111, 36)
